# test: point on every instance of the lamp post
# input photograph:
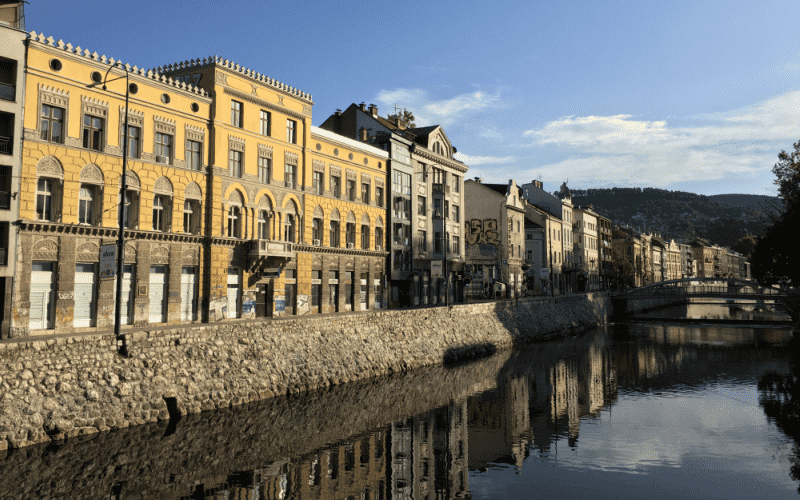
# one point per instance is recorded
(123, 185)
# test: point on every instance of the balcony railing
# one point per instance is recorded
(6, 145)
(7, 92)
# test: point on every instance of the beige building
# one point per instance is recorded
(495, 235)
(558, 205)
(586, 248)
(548, 269)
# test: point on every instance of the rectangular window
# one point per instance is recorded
(422, 205)
(364, 237)
(364, 192)
(5, 187)
(264, 170)
(437, 241)
(134, 141)
(52, 124)
(164, 147)
(194, 155)
(423, 241)
(379, 196)
(319, 181)
(93, 128)
(333, 289)
(351, 190)
(336, 186)
(235, 163)
(4, 243)
(266, 119)
(456, 184)
(316, 291)
(333, 239)
(456, 213)
(378, 238)
(457, 244)
(348, 291)
(291, 131)
(236, 114)
(290, 176)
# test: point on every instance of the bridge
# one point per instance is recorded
(681, 291)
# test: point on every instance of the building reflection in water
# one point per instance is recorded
(526, 402)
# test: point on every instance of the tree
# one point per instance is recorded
(776, 252)
(746, 245)
(405, 116)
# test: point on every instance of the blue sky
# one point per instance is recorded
(693, 96)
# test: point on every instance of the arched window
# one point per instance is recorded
(50, 178)
(350, 230)
(192, 197)
(264, 218)
(290, 223)
(334, 229)
(162, 205)
(378, 233)
(316, 226)
(133, 187)
(365, 232)
(234, 221)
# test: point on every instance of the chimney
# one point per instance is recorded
(364, 134)
(363, 107)
(400, 123)
(373, 109)
(338, 112)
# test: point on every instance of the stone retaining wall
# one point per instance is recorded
(64, 387)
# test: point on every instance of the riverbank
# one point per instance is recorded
(60, 388)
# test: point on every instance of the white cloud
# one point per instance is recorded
(429, 110)
(735, 144)
(472, 161)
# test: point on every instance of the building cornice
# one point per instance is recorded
(262, 102)
(418, 150)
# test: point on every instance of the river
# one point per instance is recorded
(647, 410)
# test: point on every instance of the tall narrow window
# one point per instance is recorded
(334, 234)
(422, 207)
(378, 238)
(93, 132)
(163, 147)
(350, 231)
(364, 237)
(234, 222)
(194, 155)
(264, 170)
(316, 229)
(86, 196)
(52, 124)
(318, 182)
(289, 229)
(191, 216)
(236, 114)
(134, 141)
(365, 192)
(290, 175)
(379, 196)
(265, 122)
(159, 213)
(291, 131)
(131, 216)
(235, 163)
(336, 186)
(44, 199)
(263, 225)
(351, 190)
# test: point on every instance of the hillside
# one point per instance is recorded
(721, 219)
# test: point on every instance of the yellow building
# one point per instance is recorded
(70, 186)
(297, 211)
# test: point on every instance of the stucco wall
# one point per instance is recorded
(70, 386)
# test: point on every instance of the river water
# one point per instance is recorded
(648, 410)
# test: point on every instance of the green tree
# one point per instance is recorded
(406, 116)
(776, 252)
(746, 245)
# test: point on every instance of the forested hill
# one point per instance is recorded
(721, 219)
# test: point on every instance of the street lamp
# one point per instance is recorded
(123, 185)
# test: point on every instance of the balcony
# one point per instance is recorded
(261, 250)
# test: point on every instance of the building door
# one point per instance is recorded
(41, 310)
(234, 293)
(316, 291)
(290, 289)
(363, 291)
(333, 291)
(348, 291)
(188, 304)
(158, 294)
(85, 303)
(126, 304)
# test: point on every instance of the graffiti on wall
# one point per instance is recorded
(482, 232)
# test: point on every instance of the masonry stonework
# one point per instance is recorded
(63, 387)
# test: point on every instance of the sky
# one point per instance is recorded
(690, 96)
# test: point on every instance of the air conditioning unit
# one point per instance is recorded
(316, 243)
(162, 159)
(351, 245)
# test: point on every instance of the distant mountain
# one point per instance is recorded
(722, 219)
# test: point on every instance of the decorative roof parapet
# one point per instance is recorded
(195, 63)
(39, 37)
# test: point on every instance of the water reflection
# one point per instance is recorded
(644, 411)
(720, 309)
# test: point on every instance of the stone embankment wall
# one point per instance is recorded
(71, 386)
